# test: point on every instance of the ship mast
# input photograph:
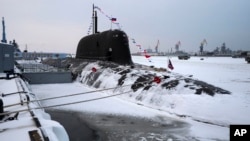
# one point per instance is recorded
(4, 35)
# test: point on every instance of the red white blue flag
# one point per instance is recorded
(170, 65)
(113, 19)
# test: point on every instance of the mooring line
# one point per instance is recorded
(64, 104)
(70, 95)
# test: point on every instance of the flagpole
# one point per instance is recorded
(168, 59)
(111, 23)
(170, 65)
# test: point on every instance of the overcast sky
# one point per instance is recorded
(58, 25)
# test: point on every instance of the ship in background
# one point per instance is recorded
(18, 54)
(150, 51)
(219, 51)
(182, 55)
(247, 58)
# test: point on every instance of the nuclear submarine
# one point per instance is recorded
(110, 45)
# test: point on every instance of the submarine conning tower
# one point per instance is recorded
(110, 45)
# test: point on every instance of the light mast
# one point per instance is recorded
(4, 35)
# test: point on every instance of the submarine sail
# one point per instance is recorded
(110, 45)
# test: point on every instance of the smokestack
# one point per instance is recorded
(96, 22)
(4, 36)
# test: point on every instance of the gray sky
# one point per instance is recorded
(58, 25)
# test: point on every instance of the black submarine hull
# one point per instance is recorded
(111, 45)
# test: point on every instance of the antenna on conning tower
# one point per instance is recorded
(96, 22)
(4, 35)
(94, 18)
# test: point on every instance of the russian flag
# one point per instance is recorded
(113, 19)
(170, 65)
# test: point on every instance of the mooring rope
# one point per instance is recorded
(64, 104)
(70, 95)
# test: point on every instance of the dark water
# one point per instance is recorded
(108, 127)
(76, 128)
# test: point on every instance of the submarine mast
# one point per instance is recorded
(96, 22)
(4, 35)
(94, 18)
